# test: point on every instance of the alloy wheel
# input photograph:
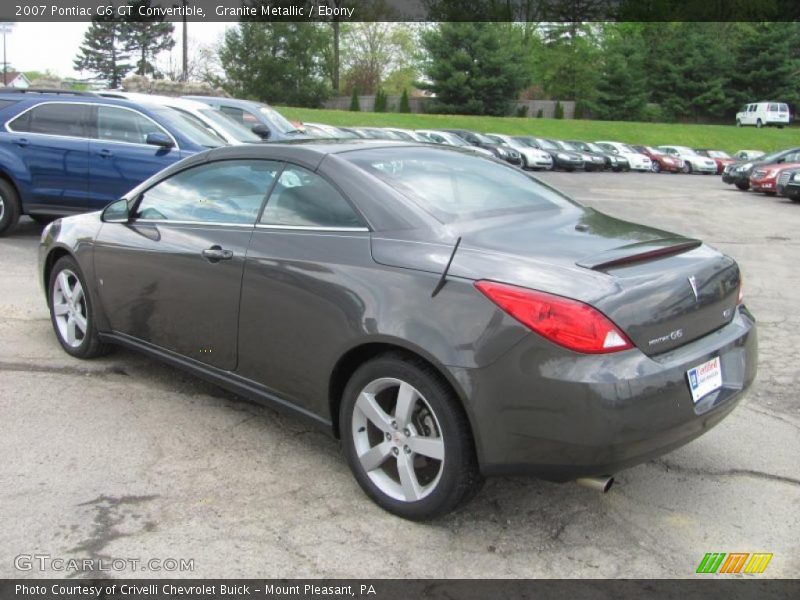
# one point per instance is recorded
(69, 308)
(398, 439)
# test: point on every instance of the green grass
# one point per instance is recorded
(723, 137)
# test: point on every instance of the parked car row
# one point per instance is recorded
(764, 173)
(539, 153)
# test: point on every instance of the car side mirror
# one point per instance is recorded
(261, 131)
(156, 138)
(116, 212)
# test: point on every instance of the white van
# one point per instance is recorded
(763, 113)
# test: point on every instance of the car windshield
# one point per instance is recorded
(567, 145)
(483, 139)
(452, 138)
(543, 143)
(497, 140)
(278, 121)
(232, 128)
(456, 187)
(686, 151)
(655, 151)
(628, 149)
(718, 154)
(594, 147)
(190, 127)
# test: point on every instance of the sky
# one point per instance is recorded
(53, 46)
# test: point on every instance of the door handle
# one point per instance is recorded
(22, 142)
(216, 254)
(105, 153)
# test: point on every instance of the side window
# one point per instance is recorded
(303, 199)
(57, 118)
(123, 125)
(228, 191)
(240, 116)
(237, 114)
(773, 108)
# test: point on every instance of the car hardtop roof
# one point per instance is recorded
(231, 101)
(41, 97)
(156, 99)
(308, 148)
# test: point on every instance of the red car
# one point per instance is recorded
(765, 179)
(719, 157)
(660, 161)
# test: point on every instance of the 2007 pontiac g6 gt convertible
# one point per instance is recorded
(447, 316)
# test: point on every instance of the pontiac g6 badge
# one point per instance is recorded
(693, 283)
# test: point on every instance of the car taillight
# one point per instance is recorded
(564, 321)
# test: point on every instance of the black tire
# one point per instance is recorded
(738, 123)
(458, 478)
(743, 186)
(759, 124)
(687, 167)
(523, 162)
(89, 344)
(43, 219)
(9, 207)
(655, 167)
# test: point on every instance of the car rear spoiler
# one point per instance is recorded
(638, 252)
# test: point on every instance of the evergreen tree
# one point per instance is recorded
(767, 64)
(559, 110)
(104, 51)
(355, 106)
(381, 101)
(473, 68)
(147, 38)
(277, 62)
(405, 104)
(621, 90)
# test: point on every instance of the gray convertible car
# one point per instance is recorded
(447, 316)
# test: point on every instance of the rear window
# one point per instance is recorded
(453, 186)
(53, 118)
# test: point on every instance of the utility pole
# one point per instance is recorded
(5, 28)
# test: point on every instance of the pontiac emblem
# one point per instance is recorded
(693, 283)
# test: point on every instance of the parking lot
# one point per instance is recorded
(126, 458)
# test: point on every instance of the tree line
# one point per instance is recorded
(658, 71)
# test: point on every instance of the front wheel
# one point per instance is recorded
(743, 186)
(655, 166)
(71, 311)
(687, 168)
(407, 439)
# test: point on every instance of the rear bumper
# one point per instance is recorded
(567, 416)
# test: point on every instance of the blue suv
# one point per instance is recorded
(63, 153)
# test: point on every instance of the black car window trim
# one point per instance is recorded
(321, 228)
(89, 125)
(133, 205)
(86, 125)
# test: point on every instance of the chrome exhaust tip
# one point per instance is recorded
(601, 484)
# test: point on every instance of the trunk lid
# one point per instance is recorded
(661, 289)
